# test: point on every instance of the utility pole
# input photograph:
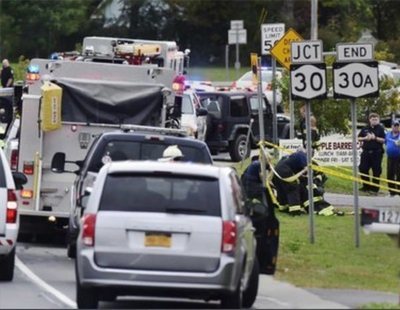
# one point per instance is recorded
(314, 19)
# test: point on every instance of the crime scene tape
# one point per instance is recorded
(333, 172)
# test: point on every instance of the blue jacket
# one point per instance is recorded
(392, 149)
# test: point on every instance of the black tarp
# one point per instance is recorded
(110, 102)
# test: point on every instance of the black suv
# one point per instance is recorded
(117, 146)
(229, 118)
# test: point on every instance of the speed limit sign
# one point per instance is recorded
(270, 34)
(308, 81)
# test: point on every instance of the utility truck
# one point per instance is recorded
(164, 54)
(66, 106)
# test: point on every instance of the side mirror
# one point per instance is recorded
(58, 162)
(19, 179)
(84, 199)
(201, 112)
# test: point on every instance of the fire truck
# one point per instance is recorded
(164, 54)
(67, 104)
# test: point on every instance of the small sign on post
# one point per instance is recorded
(237, 35)
(270, 35)
(281, 50)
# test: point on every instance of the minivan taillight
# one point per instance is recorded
(88, 226)
(11, 207)
(14, 159)
(229, 236)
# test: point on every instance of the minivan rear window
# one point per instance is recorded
(162, 192)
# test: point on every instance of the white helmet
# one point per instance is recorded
(172, 152)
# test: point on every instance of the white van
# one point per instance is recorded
(9, 219)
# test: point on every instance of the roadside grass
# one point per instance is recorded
(333, 261)
(215, 74)
(380, 306)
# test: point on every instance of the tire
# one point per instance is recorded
(71, 250)
(7, 263)
(250, 294)
(86, 297)
(238, 149)
(233, 300)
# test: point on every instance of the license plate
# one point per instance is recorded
(389, 216)
(157, 240)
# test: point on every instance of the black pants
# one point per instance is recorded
(393, 173)
(287, 193)
(371, 159)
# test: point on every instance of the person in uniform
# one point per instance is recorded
(392, 142)
(7, 74)
(372, 137)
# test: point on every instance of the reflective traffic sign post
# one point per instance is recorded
(270, 35)
(308, 81)
(355, 75)
(237, 35)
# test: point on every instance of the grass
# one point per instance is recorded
(380, 306)
(333, 261)
(216, 73)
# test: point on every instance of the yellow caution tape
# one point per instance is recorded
(328, 171)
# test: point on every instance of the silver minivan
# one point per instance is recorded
(166, 229)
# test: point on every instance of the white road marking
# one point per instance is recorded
(277, 301)
(38, 281)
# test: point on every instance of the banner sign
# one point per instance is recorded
(332, 152)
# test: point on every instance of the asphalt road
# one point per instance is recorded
(44, 279)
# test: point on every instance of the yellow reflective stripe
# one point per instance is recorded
(295, 208)
(315, 199)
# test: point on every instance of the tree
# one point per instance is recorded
(37, 28)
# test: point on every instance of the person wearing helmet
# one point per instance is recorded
(172, 153)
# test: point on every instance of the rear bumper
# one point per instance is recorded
(390, 229)
(223, 280)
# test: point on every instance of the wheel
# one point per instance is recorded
(233, 300)
(71, 250)
(86, 297)
(250, 293)
(239, 148)
(7, 263)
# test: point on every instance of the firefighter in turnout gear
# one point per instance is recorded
(262, 215)
(286, 181)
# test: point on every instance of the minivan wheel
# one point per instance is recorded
(250, 293)
(233, 300)
(239, 148)
(7, 263)
(71, 250)
(86, 297)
